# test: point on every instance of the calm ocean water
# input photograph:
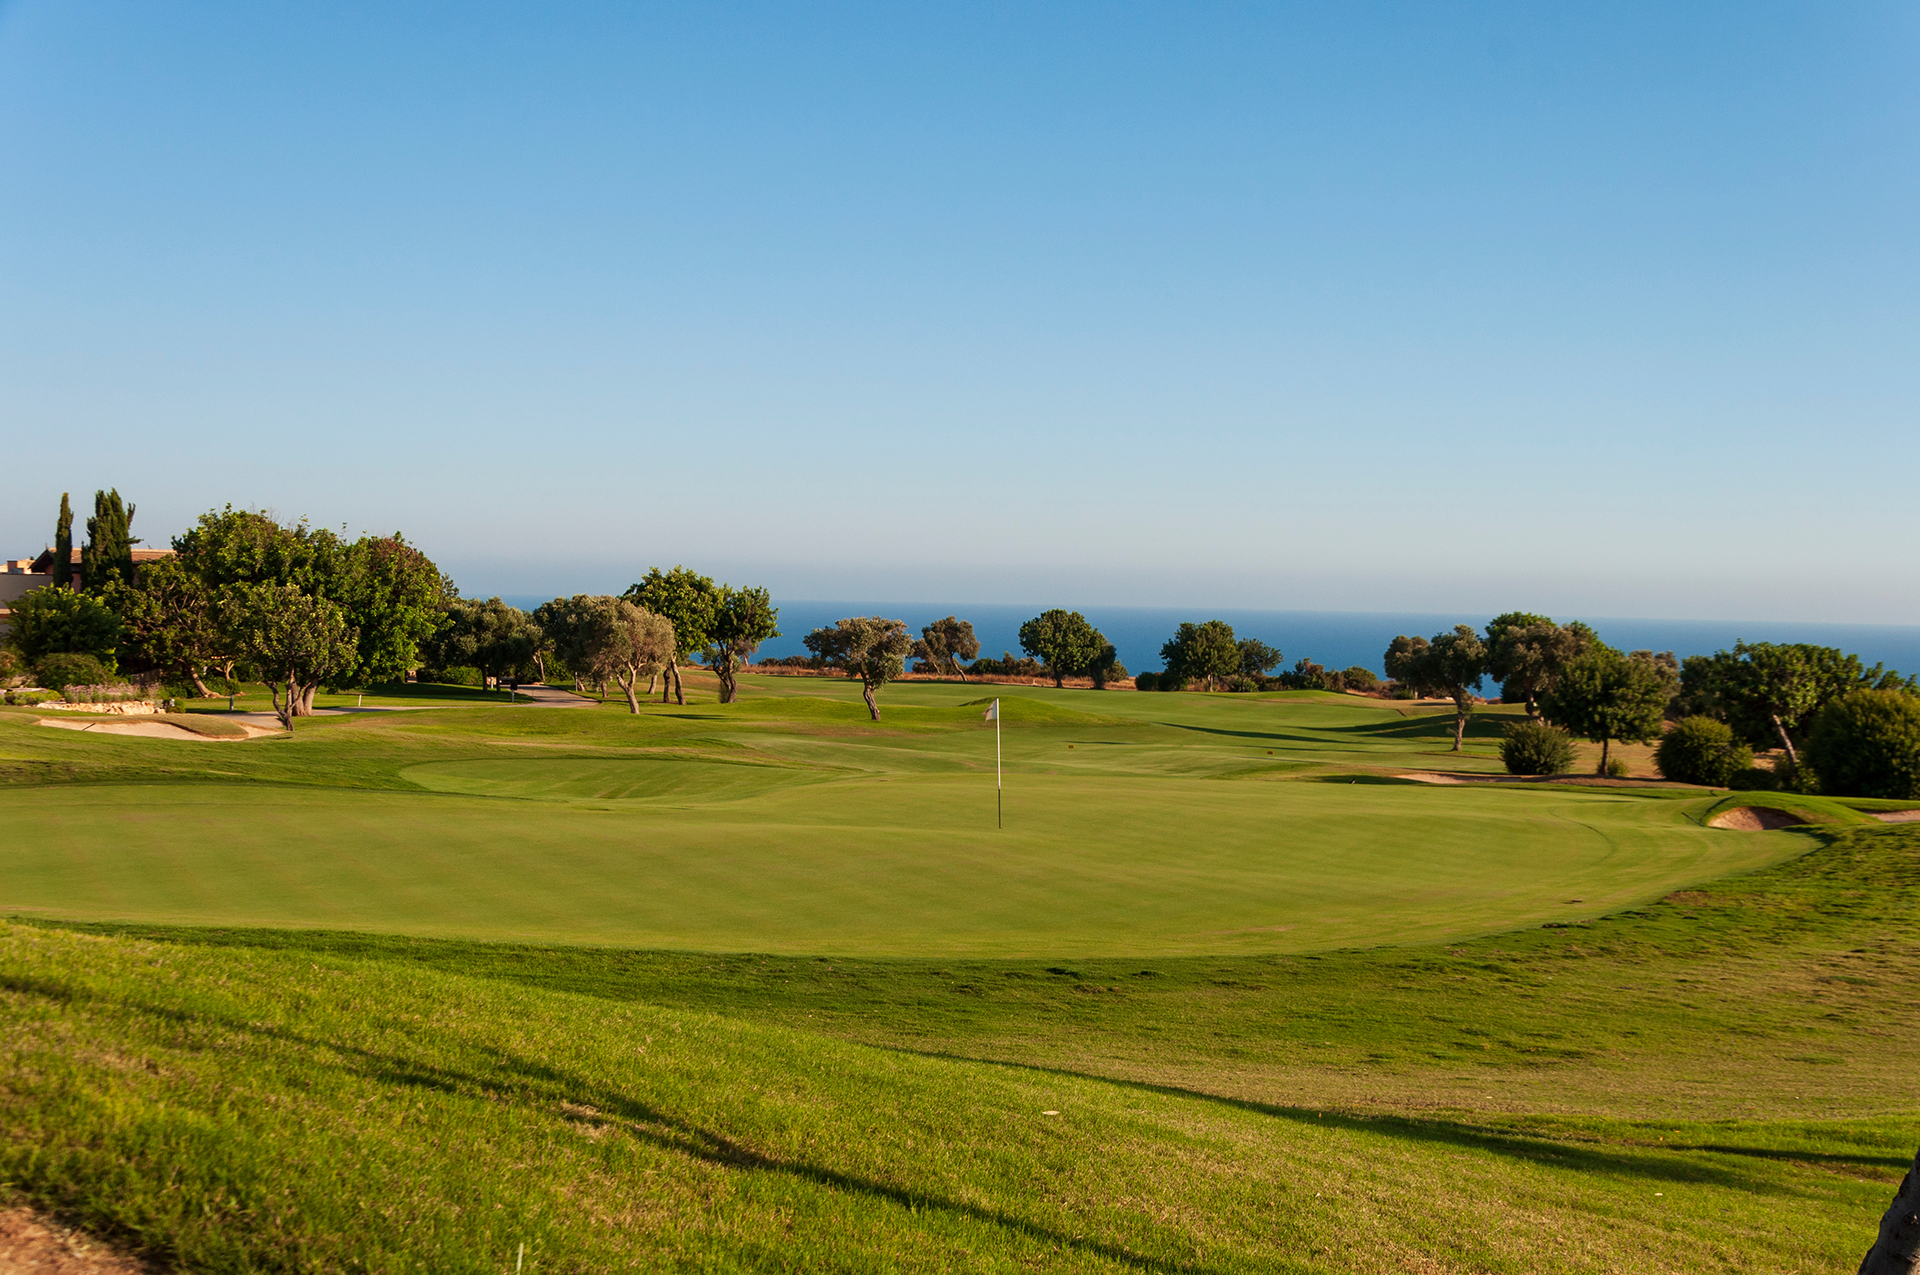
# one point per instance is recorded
(1338, 639)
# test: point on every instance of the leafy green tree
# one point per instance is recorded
(944, 643)
(1449, 665)
(493, 636)
(563, 626)
(1770, 692)
(172, 622)
(613, 637)
(742, 620)
(688, 600)
(1526, 652)
(394, 597)
(107, 557)
(50, 619)
(871, 651)
(1607, 696)
(64, 670)
(63, 545)
(1063, 641)
(1256, 657)
(1867, 744)
(1206, 651)
(1700, 750)
(296, 640)
(1359, 678)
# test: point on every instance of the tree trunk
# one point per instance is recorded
(1605, 744)
(679, 691)
(628, 683)
(283, 706)
(873, 705)
(305, 708)
(1786, 741)
(653, 679)
(1460, 711)
(723, 669)
(1533, 706)
(1897, 1251)
(199, 686)
(666, 681)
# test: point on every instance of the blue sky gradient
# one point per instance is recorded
(1418, 307)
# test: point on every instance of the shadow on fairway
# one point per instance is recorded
(1539, 1149)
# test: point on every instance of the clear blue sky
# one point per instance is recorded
(1604, 309)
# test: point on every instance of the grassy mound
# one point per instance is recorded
(329, 1102)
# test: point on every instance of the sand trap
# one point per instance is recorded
(1899, 816)
(30, 1242)
(1431, 777)
(1755, 819)
(158, 730)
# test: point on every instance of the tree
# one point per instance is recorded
(613, 636)
(1770, 692)
(1450, 665)
(944, 643)
(742, 620)
(296, 640)
(1605, 696)
(870, 650)
(1534, 748)
(172, 622)
(1063, 641)
(1205, 651)
(63, 545)
(1867, 744)
(688, 600)
(493, 636)
(51, 620)
(1526, 653)
(394, 597)
(107, 557)
(1256, 657)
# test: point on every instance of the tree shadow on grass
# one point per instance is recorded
(1540, 1149)
(581, 1101)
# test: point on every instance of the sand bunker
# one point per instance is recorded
(157, 730)
(1898, 816)
(32, 1242)
(1754, 819)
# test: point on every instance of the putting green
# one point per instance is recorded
(709, 855)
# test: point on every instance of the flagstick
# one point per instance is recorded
(999, 820)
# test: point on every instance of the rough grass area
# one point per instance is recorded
(301, 1101)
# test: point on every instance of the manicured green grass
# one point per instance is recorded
(307, 1101)
(1159, 824)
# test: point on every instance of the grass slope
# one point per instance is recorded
(1161, 824)
(261, 1101)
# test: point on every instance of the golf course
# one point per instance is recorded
(1219, 983)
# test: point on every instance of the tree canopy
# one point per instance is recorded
(1205, 651)
(1063, 641)
(295, 639)
(742, 619)
(63, 544)
(107, 557)
(1450, 664)
(1607, 696)
(1866, 743)
(493, 636)
(1770, 692)
(1526, 652)
(944, 643)
(870, 650)
(689, 600)
(1257, 658)
(52, 620)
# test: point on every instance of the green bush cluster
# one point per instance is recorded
(1535, 748)
(1867, 744)
(459, 675)
(1700, 750)
(64, 669)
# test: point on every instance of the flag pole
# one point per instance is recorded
(998, 800)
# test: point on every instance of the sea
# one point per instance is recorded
(1335, 639)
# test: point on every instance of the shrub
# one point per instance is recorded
(1145, 681)
(1752, 779)
(459, 675)
(1241, 685)
(69, 668)
(51, 620)
(1616, 768)
(1700, 750)
(27, 698)
(1867, 744)
(1360, 679)
(1535, 748)
(1170, 682)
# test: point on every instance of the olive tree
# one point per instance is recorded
(869, 650)
(1063, 641)
(1206, 651)
(742, 620)
(944, 643)
(1257, 658)
(1448, 665)
(628, 641)
(1607, 696)
(688, 600)
(295, 639)
(1526, 652)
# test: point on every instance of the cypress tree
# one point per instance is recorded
(63, 544)
(108, 554)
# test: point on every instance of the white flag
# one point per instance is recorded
(993, 712)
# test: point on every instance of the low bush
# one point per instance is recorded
(1360, 679)
(1007, 666)
(1535, 748)
(814, 661)
(1700, 750)
(1867, 744)
(1170, 682)
(28, 698)
(1616, 768)
(1145, 681)
(459, 675)
(1241, 685)
(1752, 779)
(70, 668)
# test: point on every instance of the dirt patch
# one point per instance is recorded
(1755, 819)
(155, 730)
(34, 1244)
(1898, 816)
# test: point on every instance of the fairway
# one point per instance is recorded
(1158, 824)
